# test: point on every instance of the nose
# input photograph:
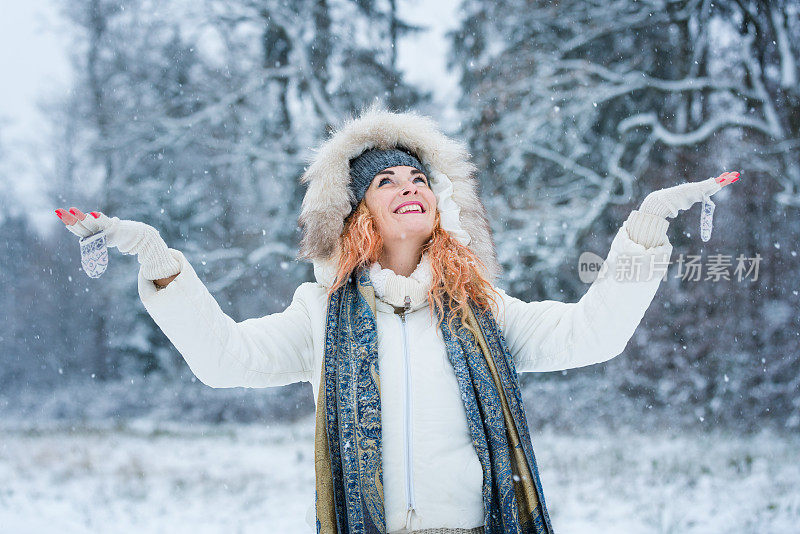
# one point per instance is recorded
(410, 188)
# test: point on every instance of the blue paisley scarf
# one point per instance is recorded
(349, 492)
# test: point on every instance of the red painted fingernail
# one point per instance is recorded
(57, 213)
(95, 215)
(72, 211)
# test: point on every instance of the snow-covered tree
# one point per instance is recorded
(35, 339)
(577, 109)
(578, 105)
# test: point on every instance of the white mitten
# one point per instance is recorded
(667, 202)
(130, 237)
(648, 225)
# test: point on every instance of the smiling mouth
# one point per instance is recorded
(410, 207)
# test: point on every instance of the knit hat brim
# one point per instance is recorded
(365, 166)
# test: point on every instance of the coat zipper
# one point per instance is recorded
(410, 504)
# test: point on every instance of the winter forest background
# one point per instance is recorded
(196, 117)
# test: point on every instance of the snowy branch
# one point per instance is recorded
(567, 163)
(788, 64)
(755, 72)
(635, 80)
(293, 28)
(694, 137)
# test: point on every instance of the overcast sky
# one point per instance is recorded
(33, 61)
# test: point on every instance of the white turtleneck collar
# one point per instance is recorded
(393, 288)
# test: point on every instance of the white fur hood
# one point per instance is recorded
(452, 174)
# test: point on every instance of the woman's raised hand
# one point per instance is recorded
(77, 222)
(667, 202)
(727, 178)
(130, 237)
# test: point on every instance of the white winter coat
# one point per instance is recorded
(441, 476)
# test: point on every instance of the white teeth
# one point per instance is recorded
(412, 207)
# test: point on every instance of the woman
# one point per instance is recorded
(405, 298)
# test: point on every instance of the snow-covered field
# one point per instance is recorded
(146, 477)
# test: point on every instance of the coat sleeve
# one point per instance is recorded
(273, 350)
(550, 335)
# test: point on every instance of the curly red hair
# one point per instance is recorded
(455, 269)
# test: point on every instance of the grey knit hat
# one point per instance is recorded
(364, 167)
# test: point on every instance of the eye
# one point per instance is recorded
(383, 180)
(424, 181)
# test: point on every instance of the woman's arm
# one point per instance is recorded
(550, 335)
(270, 351)
(273, 350)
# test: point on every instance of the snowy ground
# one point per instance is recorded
(166, 478)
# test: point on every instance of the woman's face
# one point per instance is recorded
(402, 205)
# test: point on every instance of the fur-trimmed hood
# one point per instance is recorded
(328, 200)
